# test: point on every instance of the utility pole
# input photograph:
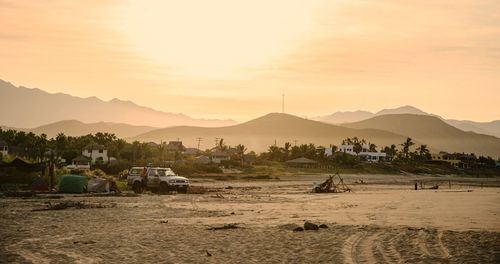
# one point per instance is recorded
(295, 142)
(283, 103)
(199, 141)
(216, 141)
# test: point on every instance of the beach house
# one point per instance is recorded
(96, 152)
(365, 153)
(4, 149)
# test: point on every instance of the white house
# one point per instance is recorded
(365, 153)
(80, 162)
(97, 153)
(4, 149)
(218, 156)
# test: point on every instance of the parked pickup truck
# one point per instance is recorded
(161, 180)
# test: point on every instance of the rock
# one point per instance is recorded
(298, 229)
(323, 226)
(310, 226)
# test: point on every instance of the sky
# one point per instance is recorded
(235, 59)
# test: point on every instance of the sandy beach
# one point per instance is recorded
(382, 221)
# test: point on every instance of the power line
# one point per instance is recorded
(199, 141)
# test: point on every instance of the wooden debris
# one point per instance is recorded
(330, 186)
(73, 204)
(226, 226)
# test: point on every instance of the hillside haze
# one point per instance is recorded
(359, 115)
(28, 108)
(488, 128)
(260, 133)
(77, 128)
(434, 132)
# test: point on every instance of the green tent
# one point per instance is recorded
(72, 183)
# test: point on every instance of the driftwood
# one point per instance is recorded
(334, 184)
(226, 226)
(73, 204)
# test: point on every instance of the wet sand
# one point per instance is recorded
(384, 221)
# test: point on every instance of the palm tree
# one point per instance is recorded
(372, 147)
(423, 151)
(274, 153)
(286, 150)
(161, 151)
(406, 146)
(221, 146)
(240, 149)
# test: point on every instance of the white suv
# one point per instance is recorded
(158, 180)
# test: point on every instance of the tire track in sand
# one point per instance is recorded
(360, 246)
(386, 248)
(349, 247)
(431, 244)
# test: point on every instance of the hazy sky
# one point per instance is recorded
(234, 59)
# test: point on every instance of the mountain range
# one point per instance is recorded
(434, 132)
(260, 133)
(77, 128)
(384, 130)
(28, 108)
(488, 128)
(33, 110)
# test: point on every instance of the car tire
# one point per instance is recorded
(164, 188)
(183, 189)
(137, 187)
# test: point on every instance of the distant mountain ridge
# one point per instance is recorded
(77, 128)
(434, 132)
(29, 108)
(260, 133)
(488, 128)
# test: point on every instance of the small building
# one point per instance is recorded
(192, 152)
(301, 162)
(152, 144)
(202, 160)
(219, 156)
(175, 146)
(80, 162)
(372, 156)
(96, 152)
(249, 159)
(4, 148)
(445, 157)
(365, 153)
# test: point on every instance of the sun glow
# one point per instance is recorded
(215, 38)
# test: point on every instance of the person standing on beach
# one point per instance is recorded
(144, 177)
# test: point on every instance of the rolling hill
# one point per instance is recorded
(28, 108)
(488, 128)
(260, 133)
(355, 116)
(434, 132)
(77, 128)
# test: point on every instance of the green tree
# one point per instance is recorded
(406, 147)
(372, 147)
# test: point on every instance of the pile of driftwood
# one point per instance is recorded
(334, 184)
(73, 204)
